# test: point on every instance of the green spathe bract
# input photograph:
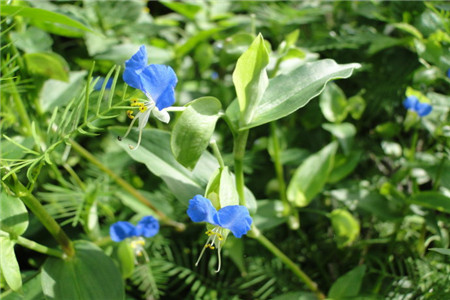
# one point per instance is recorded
(193, 130)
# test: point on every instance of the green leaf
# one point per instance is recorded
(13, 215)
(155, 153)
(193, 130)
(9, 266)
(344, 132)
(443, 251)
(311, 176)
(344, 165)
(433, 200)
(190, 44)
(90, 274)
(333, 103)
(32, 40)
(57, 93)
(250, 78)
(270, 214)
(49, 21)
(356, 106)
(349, 284)
(345, 226)
(287, 93)
(31, 290)
(49, 65)
(188, 10)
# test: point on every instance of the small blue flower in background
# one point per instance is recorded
(99, 84)
(157, 82)
(234, 218)
(448, 73)
(147, 227)
(412, 103)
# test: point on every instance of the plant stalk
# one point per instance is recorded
(34, 246)
(125, 185)
(240, 142)
(46, 219)
(256, 234)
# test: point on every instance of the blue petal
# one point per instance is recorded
(147, 227)
(159, 81)
(121, 230)
(134, 67)
(201, 210)
(410, 102)
(235, 218)
(423, 109)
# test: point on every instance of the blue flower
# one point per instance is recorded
(147, 227)
(157, 82)
(234, 218)
(99, 84)
(412, 103)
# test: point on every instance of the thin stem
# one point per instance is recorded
(254, 233)
(217, 153)
(46, 219)
(125, 185)
(240, 142)
(20, 108)
(34, 246)
(276, 158)
(412, 150)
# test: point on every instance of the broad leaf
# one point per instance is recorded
(9, 266)
(348, 285)
(250, 78)
(287, 93)
(155, 153)
(49, 65)
(333, 103)
(49, 21)
(13, 215)
(311, 176)
(433, 200)
(193, 130)
(90, 274)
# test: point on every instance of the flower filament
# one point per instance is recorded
(215, 240)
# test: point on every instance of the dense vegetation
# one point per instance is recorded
(313, 116)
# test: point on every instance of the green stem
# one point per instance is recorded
(34, 246)
(254, 233)
(20, 108)
(46, 219)
(240, 141)
(412, 150)
(276, 158)
(125, 185)
(217, 153)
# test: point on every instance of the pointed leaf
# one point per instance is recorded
(250, 78)
(287, 93)
(348, 285)
(9, 266)
(193, 130)
(90, 274)
(13, 215)
(311, 176)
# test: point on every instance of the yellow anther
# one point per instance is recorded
(130, 114)
(142, 107)
(134, 101)
(209, 232)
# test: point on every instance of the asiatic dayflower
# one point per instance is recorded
(234, 218)
(157, 82)
(147, 227)
(412, 103)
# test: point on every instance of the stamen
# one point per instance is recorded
(130, 114)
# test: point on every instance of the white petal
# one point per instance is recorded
(162, 115)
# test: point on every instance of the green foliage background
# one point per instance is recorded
(351, 187)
